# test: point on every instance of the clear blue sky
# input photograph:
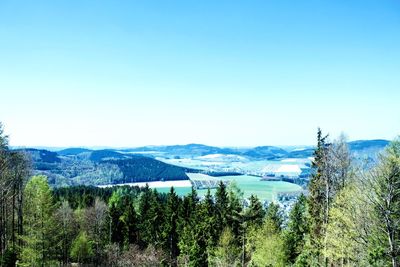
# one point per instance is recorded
(229, 73)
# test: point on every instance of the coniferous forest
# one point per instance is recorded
(350, 217)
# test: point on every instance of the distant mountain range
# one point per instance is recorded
(260, 152)
(73, 166)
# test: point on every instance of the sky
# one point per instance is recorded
(225, 73)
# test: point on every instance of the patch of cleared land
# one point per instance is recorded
(250, 185)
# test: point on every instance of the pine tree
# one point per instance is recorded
(196, 238)
(255, 212)
(123, 218)
(189, 204)
(235, 218)
(151, 218)
(170, 227)
(317, 197)
(116, 224)
(274, 217)
(294, 235)
(221, 207)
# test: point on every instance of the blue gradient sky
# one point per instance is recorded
(228, 73)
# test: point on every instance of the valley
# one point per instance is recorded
(266, 171)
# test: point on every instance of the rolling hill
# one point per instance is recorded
(74, 166)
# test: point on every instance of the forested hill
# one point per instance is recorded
(73, 166)
(78, 166)
(365, 148)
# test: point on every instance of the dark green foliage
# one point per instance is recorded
(81, 196)
(221, 207)
(151, 218)
(198, 233)
(189, 204)
(144, 169)
(297, 229)
(123, 217)
(235, 208)
(9, 258)
(170, 228)
(316, 198)
(274, 217)
(255, 212)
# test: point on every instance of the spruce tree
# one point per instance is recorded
(116, 224)
(317, 196)
(221, 207)
(255, 212)
(170, 227)
(294, 235)
(197, 234)
(145, 217)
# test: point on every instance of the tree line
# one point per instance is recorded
(350, 217)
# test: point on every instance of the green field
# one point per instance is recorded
(265, 190)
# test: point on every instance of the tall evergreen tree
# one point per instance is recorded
(317, 197)
(235, 218)
(151, 218)
(116, 224)
(170, 227)
(221, 207)
(274, 217)
(123, 218)
(197, 237)
(294, 235)
(255, 212)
